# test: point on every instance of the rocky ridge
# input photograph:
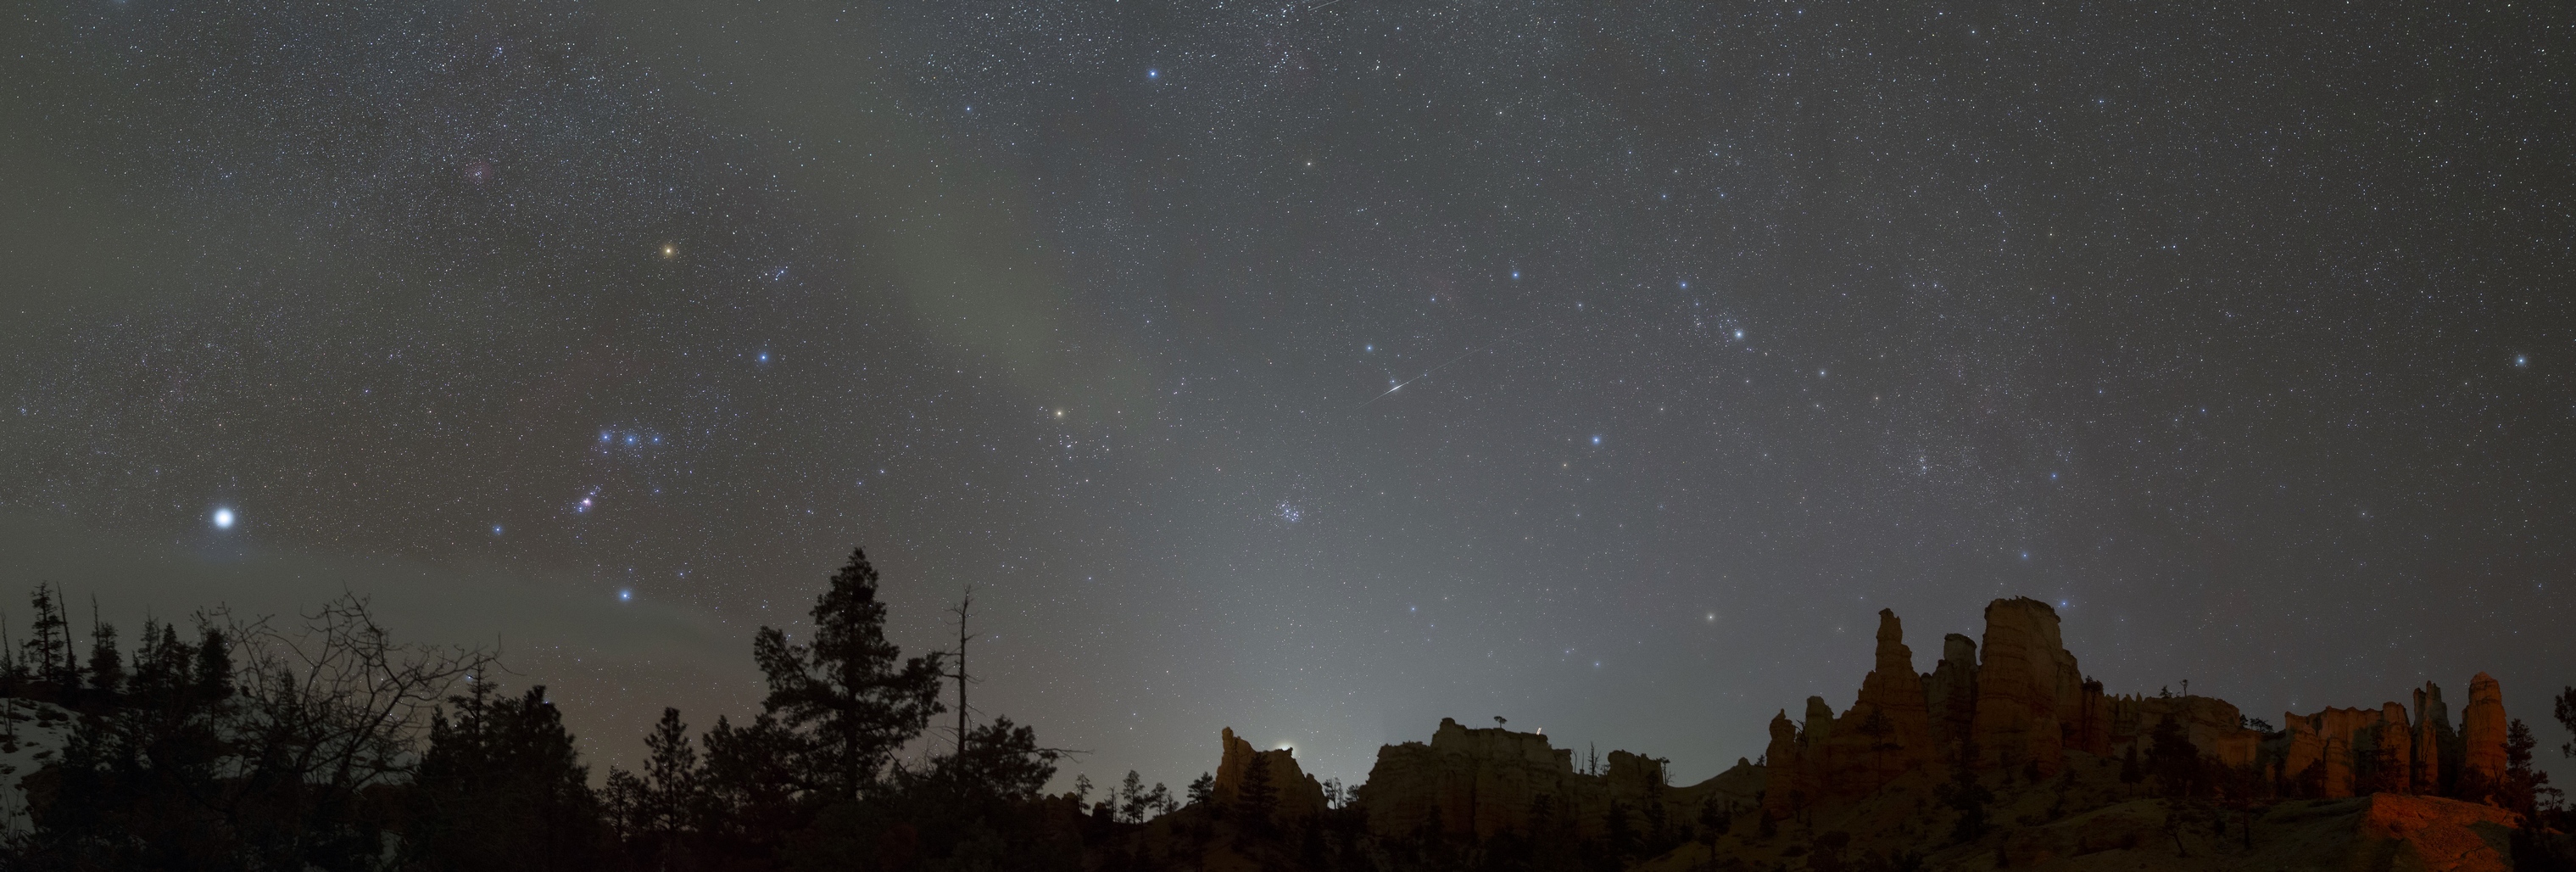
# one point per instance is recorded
(2060, 773)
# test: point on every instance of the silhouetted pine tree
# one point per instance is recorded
(849, 696)
(1256, 799)
(151, 782)
(106, 665)
(749, 783)
(2175, 759)
(2522, 787)
(501, 787)
(48, 649)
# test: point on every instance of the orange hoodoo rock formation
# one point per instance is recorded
(1298, 794)
(2017, 711)
(2025, 706)
(1485, 781)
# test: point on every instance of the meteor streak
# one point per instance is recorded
(1427, 373)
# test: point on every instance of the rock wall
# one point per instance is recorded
(1886, 733)
(1785, 767)
(2382, 750)
(2482, 729)
(1478, 780)
(2024, 704)
(1950, 694)
(2212, 725)
(1299, 794)
(1486, 781)
(2026, 688)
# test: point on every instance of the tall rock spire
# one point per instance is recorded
(2482, 729)
(2026, 680)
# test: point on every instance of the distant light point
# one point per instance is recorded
(1152, 73)
(670, 250)
(1596, 439)
(496, 529)
(2522, 360)
(625, 596)
(223, 519)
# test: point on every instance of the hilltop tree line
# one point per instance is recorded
(241, 745)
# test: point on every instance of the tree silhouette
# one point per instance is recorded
(48, 650)
(1877, 727)
(2175, 760)
(850, 696)
(2522, 787)
(2564, 708)
(1256, 799)
(502, 787)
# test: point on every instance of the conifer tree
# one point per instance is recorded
(2522, 787)
(1131, 798)
(48, 649)
(2175, 759)
(501, 786)
(850, 696)
(1256, 800)
(670, 776)
(106, 665)
(2564, 709)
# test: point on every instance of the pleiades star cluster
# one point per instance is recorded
(1317, 369)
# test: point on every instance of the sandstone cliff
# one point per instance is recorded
(1481, 782)
(2482, 729)
(1298, 795)
(2026, 688)
(2045, 747)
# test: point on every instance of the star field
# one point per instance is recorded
(1318, 370)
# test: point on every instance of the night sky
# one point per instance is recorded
(1316, 369)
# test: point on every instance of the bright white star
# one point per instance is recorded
(223, 519)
